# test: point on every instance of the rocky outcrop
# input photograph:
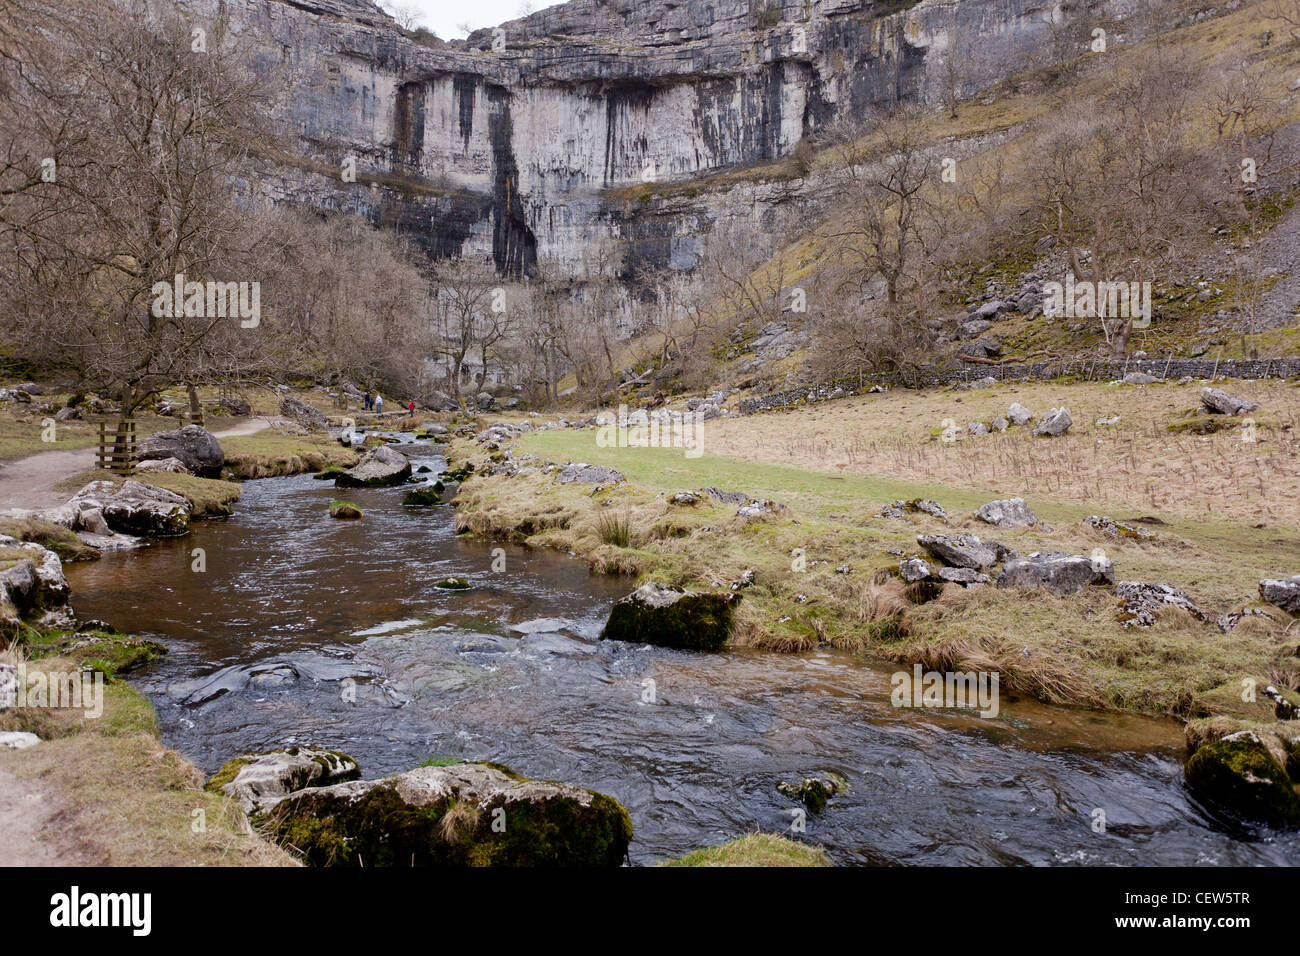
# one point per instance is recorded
(960, 551)
(1056, 572)
(193, 445)
(1007, 513)
(560, 129)
(672, 617)
(1282, 592)
(31, 580)
(468, 814)
(584, 474)
(1219, 402)
(1141, 602)
(258, 781)
(1017, 414)
(1056, 422)
(134, 509)
(303, 414)
(380, 468)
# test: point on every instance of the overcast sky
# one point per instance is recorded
(445, 17)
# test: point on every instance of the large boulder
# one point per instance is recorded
(304, 414)
(1054, 423)
(1220, 402)
(469, 814)
(31, 579)
(1017, 414)
(193, 445)
(1282, 592)
(672, 617)
(1056, 572)
(381, 467)
(134, 509)
(960, 551)
(259, 781)
(1245, 773)
(1007, 513)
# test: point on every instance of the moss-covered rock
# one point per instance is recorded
(422, 497)
(1246, 773)
(344, 509)
(813, 792)
(468, 814)
(453, 584)
(672, 617)
(259, 781)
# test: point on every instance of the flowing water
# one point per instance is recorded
(310, 630)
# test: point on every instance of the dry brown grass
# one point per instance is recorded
(1137, 464)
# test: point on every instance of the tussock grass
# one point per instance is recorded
(755, 849)
(125, 799)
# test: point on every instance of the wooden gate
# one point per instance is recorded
(117, 451)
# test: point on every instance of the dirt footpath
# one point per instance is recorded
(28, 483)
(35, 827)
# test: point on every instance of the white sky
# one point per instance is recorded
(445, 17)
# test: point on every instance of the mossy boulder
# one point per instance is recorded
(672, 617)
(258, 781)
(453, 584)
(467, 814)
(344, 509)
(422, 497)
(813, 792)
(1248, 773)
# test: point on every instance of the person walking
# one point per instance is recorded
(379, 404)
(411, 409)
(366, 407)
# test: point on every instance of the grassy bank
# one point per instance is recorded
(845, 592)
(121, 797)
(271, 454)
(756, 849)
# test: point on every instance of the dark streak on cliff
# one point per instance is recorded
(514, 247)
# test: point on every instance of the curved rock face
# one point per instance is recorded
(542, 137)
(470, 814)
(1246, 774)
(194, 446)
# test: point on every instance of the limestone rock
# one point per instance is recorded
(1056, 572)
(1017, 414)
(960, 551)
(193, 445)
(1282, 592)
(304, 414)
(1245, 773)
(136, 509)
(1140, 602)
(259, 781)
(381, 467)
(1007, 513)
(672, 617)
(1054, 423)
(588, 475)
(1221, 403)
(469, 814)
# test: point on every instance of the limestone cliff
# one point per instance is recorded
(538, 137)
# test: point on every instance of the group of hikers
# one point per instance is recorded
(375, 403)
